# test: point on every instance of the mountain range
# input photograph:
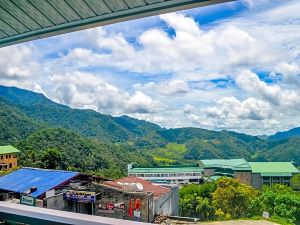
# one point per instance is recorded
(93, 142)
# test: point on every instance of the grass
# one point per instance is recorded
(169, 154)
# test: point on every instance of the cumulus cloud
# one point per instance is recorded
(275, 94)
(18, 66)
(86, 90)
(290, 72)
(230, 107)
(168, 88)
(190, 50)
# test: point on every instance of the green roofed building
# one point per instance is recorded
(255, 174)
(168, 174)
(269, 173)
(8, 157)
(236, 168)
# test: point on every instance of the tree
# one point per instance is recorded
(296, 182)
(204, 208)
(281, 201)
(233, 198)
(52, 158)
(195, 201)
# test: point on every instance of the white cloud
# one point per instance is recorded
(169, 88)
(86, 90)
(276, 95)
(290, 73)
(18, 65)
(191, 50)
(249, 109)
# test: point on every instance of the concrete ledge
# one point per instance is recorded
(35, 215)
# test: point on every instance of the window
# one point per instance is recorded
(275, 180)
(10, 165)
(266, 181)
(286, 181)
(1, 156)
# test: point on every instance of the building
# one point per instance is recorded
(269, 173)
(236, 168)
(168, 174)
(8, 158)
(166, 197)
(33, 182)
(129, 198)
(255, 174)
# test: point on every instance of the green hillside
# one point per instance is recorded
(15, 125)
(78, 153)
(103, 144)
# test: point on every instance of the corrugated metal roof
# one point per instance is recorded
(23, 179)
(167, 169)
(238, 164)
(147, 186)
(24, 20)
(273, 167)
(8, 149)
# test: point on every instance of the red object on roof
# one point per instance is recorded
(147, 186)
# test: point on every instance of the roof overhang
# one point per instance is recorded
(26, 20)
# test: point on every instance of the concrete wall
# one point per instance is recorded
(256, 180)
(56, 202)
(174, 198)
(244, 177)
(163, 204)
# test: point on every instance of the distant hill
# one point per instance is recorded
(35, 123)
(87, 122)
(295, 132)
(15, 125)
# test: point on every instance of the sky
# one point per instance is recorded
(232, 66)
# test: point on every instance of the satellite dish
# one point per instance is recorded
(139, 186)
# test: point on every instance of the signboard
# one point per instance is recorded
(28, 200)
(110, 207)
(266, 215)
(80, 196)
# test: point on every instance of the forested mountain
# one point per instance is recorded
(92, 142)
(15, 125)
(295, 132)
(87, 122)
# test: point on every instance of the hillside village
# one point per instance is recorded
(145, 195)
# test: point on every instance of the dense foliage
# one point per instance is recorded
(229, 199)
(63, 149)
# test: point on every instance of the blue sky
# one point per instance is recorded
(232, 66)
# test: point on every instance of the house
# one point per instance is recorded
(129, 198)
(165, 197)
(8, 158)
(270, 173)
(33, 182)
(168, 174)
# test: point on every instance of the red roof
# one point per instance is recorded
(147, 186)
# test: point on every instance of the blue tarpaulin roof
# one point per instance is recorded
(44, 180)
